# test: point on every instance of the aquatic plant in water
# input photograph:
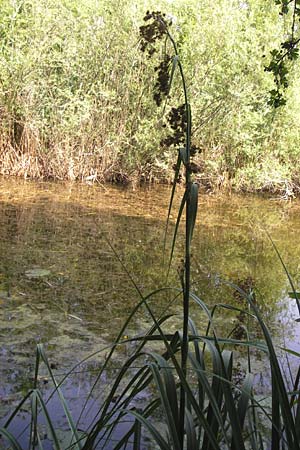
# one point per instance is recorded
(195, 400)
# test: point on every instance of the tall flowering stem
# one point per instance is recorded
(179, 119)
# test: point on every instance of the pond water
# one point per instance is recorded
(61, 283)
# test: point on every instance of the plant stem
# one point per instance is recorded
(187, 276)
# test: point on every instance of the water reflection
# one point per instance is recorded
(81, 302)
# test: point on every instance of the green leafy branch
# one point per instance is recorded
(280, 59)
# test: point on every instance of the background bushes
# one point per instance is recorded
(75, 93)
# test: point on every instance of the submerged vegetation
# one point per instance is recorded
(75, 94)
(196, 401)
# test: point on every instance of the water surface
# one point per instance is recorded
(63, 250)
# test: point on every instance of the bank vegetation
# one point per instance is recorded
(75, 94)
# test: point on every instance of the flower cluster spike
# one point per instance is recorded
(154, 30)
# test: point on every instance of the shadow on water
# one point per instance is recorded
(61, 284)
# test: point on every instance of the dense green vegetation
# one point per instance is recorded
(75, 103)
(199, 402)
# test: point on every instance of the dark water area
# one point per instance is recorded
(62, 282)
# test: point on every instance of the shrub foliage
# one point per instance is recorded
(75, 90)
